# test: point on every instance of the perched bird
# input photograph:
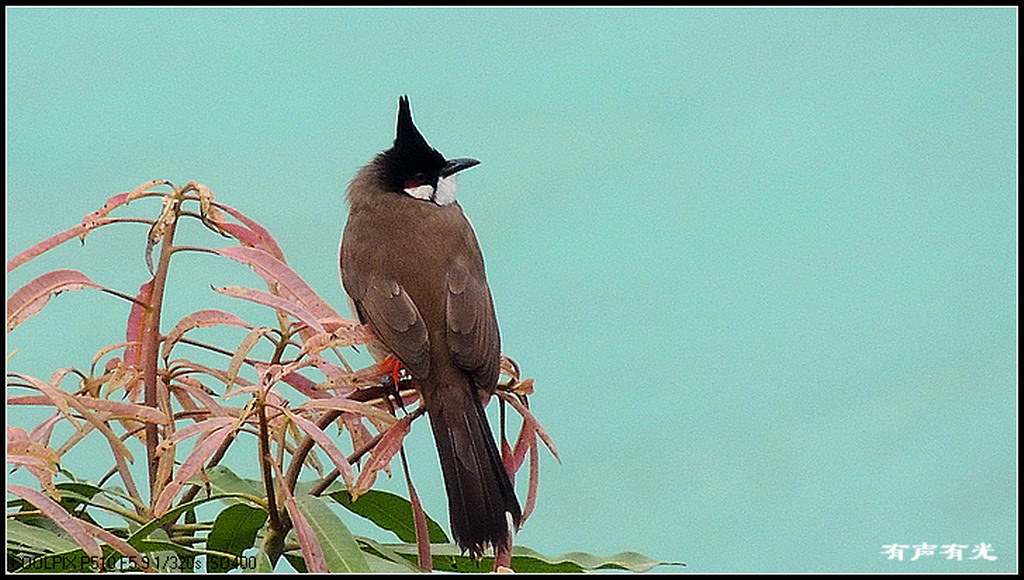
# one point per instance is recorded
(414, 274)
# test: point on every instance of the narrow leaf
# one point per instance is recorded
(51, 509)
(312, 553)
(380, 456)
(324, 442)
(203, 426)
(36, 537)
(278, 303)
(274, 271)
(528, 417)
(119, 410)
(90, 222)
(114, 542)
(423, 558)
(53, 241)
(200, 319)
(192, 464)
(391, 512)
(30, 298)
(339, 549)
(350, 406)
(137, 325)
(266, 240)
(250, 341)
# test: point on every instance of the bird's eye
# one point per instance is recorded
(415, 181)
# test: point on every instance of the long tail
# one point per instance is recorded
(482, 504)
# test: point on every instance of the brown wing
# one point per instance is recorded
(396, 322)
(473, 338)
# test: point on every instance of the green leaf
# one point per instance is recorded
(234, 531)
(378, 554)
(391, 512)
(448, 557)
(380, 565)
(36, 538)
(80, 487)
(223, 480)
(341, 552)
(172, 514)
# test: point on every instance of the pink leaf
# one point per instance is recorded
(278, 303)
(350, 406)
(119, 410)
(248, 343)
(218, 374)
(241, 233)
(116, 201)
(275, 271)
(41, 432)
(67, 522)
(195, 389)
(30, 400)
(136, 326)
(55, 396)
(304, 385)
(311, 551)
(90, 222)
(203, 426)
(30, 298)
(514, 460)
(381, 456)
(419, 518)
(324, 442)
(266, 241)
(40, 459)
(192, 464)
(16, 434)
(349, 335)
(200, 319)
(50, 243)
(528, 417)
(531, 494)
(116, 543)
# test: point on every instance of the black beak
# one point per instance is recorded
(453, 166)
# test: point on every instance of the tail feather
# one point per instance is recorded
(482, 503)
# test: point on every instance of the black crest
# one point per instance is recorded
(410, 142)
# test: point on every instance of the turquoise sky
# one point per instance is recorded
(761, 263)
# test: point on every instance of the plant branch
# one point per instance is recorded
(265, 467)
(355, 456)
(151, 340)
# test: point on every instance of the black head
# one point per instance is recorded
(414, 168)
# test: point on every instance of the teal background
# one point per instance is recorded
(760, 262)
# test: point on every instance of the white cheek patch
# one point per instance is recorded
(445, 193)
(425, 192)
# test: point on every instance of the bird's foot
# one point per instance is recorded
(392, 367)
(390, 370)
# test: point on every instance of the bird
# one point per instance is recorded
(414, 274)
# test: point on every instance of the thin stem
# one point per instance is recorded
(215, 349)
(264, 439)
(356, 455)
(129, 220)
(268, 479)
(150, 349)
(195, 249)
